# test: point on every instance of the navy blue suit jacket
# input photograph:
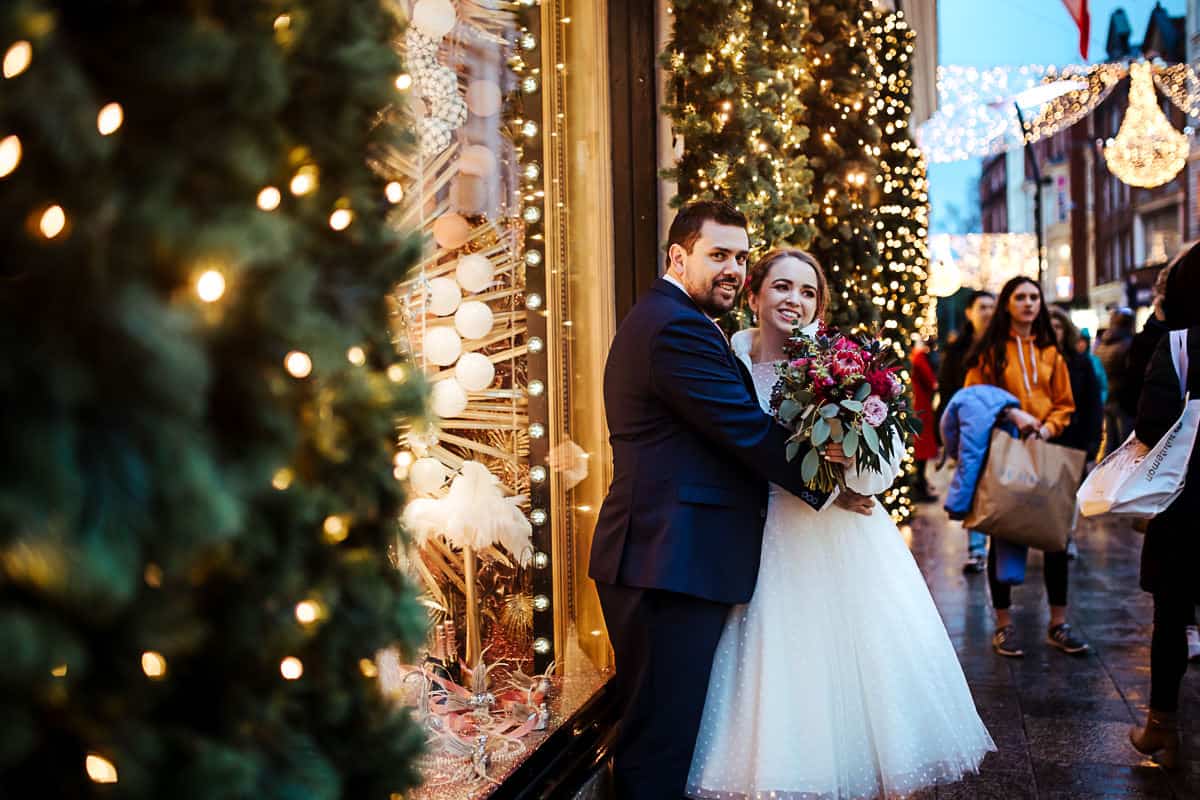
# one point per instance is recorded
(692, 457)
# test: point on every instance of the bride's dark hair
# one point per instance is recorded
(756, 276)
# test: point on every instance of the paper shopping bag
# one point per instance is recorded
(1026, 494)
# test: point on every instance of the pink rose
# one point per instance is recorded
(875, 411)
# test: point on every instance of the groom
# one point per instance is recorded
(679, 536)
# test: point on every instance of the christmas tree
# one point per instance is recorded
(842, 150)
(200, 401)
(736, 85)
(902, 212)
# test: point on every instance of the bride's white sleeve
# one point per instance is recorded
(870, 481)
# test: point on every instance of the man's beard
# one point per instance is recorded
(712, 304)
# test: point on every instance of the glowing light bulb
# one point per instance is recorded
(10, 155)
(356, 356)
(340, 219)
(109, 119)
(54, 219)
(210, 286)
(17, 59)
(404, 82)
(397, 373)
(283, 22)
(60, 671)
(283, 478)
(291, 668)
(268, 198)
(335, 528)
(394, 192)
(307, 612)
(367, 667)
(153, 664)
(304, 181)
(298, 364)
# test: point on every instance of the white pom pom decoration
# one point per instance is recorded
(474, 371)
(448, 398)
(442, 346)
(474, 272)
(444, 296)
(427, 475)
(473, 319)
(434, 18)
(484, 98)
(477, 160)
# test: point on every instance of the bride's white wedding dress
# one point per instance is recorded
(838, 679)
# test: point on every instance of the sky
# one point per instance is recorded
(986, 33)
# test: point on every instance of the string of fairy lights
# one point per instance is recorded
(976, 117)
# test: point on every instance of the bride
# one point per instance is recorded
(837, 680)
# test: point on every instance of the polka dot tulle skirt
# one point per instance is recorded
(838, 680)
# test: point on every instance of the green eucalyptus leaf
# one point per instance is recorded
(808, 467)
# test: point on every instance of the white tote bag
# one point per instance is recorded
(1137, 481)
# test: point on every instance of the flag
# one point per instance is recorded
(1078, 9)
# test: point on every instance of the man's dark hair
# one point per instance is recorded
(685, 228)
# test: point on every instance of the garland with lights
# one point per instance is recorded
(201, 395)
(902, 213)
(735, 97)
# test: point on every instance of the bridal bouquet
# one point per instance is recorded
(839, 388)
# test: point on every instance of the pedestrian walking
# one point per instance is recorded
(925, 448)
(953, 372)
(1171, 550)
(1019, 353)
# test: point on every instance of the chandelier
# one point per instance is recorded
(1147, 150)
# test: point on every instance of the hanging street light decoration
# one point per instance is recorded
(974, 116)
(1147, 151)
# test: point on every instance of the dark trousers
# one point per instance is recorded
(1054, 571)
(1168, 649)
(664, 644)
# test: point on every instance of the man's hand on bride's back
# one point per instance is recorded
(853, 501)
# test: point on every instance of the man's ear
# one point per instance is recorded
(675, 258)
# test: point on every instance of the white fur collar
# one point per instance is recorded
(742, 342)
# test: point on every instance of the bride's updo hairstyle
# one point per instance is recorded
(756, 276)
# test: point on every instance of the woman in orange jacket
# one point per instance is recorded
(1019, 353)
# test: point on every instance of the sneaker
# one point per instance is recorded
(1060, 636)
(1193, 640)
(1004, 642)
(974, 564)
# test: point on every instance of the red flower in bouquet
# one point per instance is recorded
(884, 383)
(846, 364)
(838, 388)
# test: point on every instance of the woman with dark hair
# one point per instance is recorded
(1171, 550)
(1087, 422)
(1019, 353)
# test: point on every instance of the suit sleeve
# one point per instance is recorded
(692, 373)
(1161, 402)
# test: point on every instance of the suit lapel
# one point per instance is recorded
(671, 290)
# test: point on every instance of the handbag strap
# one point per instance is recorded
(1179, 357)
